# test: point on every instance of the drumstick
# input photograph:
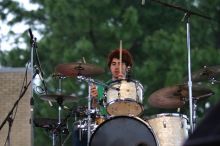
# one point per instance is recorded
(120, 57)
(84, 61)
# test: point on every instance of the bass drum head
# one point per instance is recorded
(123, 131)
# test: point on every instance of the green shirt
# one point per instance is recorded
(101, 98)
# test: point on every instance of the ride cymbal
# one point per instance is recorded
(176, 96)
(76, 69)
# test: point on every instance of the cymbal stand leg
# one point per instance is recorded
(60, 103)
(59, 114)
(53, 139)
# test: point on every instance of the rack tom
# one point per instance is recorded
(124, 97)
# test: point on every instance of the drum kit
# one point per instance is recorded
(123, 101)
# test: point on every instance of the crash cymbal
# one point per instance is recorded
(207, 73)
(176, 96)
(59, 98)
(75, 69)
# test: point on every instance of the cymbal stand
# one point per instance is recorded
(186, 17)
(89, 81)
(191, 105)
(60, 102)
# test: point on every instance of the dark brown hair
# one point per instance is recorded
(126, 57)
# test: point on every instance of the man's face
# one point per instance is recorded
(115, 68)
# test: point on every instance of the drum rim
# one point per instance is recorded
(127, 99)
(127, 116)
(166, 115)
(128, 80)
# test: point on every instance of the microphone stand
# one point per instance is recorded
(188, 13)
(33, 46)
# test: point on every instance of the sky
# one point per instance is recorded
(7, 41)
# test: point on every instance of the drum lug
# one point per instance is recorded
(182, 124)
(164, 124)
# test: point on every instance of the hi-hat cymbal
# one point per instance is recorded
(59, 98)
(47, 123)
(176, 96)
(75, 69)
(206, 73)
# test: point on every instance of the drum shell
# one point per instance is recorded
(170, 129)
(127, 100)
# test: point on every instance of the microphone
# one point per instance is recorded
(39, 72)
(30, 33)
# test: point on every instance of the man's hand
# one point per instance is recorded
(94, 94)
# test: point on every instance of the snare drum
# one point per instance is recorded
(124, 97)
(123, 131)
(171, 129)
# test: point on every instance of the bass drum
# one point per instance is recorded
(123, 131)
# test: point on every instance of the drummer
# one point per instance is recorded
(97, 92)
(118, 71)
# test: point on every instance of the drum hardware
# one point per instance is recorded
(164, 124)
(57, 75)
(54, 127)
(182, 124)
(60, 131)
(79, 112)
(81, 69)
(89, 81)
(59, 99)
